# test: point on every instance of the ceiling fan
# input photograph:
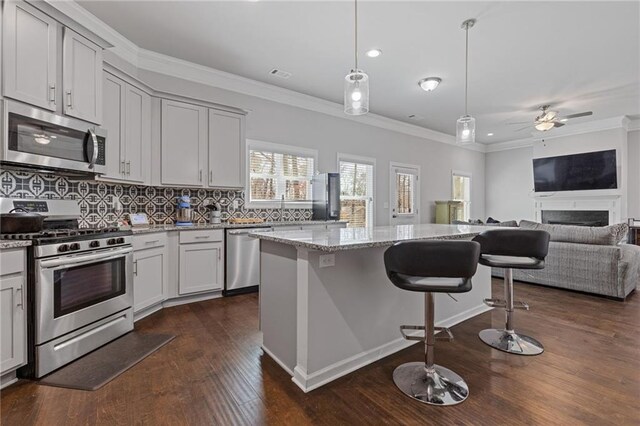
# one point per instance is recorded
(549, 119)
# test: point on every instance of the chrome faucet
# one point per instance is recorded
(282, 209)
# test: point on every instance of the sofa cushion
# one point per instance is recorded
(599, 235)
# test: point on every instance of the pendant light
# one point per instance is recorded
(466, 125)
(356, 83)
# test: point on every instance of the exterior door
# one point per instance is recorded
(82, 77)
(12, 323)
(226, 142)
(30, 55)
(405, 194)
(184, 143)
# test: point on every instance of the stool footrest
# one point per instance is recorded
(448, 336)
(411, 327)
(495, 303)
(521, 305)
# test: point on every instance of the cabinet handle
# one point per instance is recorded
(122, 169)
(69, 101)
(21, 302)
(210, 176)
(135, 268)
(52, 90)
(219, 254)
(128, 167)
(200, 175)
(152, 242)
(202, 236)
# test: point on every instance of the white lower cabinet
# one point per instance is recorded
(150, 271)
(201, 261)
(13, 324)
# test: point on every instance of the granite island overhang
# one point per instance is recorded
(327, 307)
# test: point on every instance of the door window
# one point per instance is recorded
(405, 194)
(356, 191)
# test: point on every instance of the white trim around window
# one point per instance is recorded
(258, 145)
(341, 156)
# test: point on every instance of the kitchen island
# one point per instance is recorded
(327, 307)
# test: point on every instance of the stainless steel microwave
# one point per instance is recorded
(39, 139)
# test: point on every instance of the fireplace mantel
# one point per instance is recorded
(612, 204)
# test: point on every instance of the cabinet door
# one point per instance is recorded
(201, 267)
(184, 143)
(226, 145)
(149, 278)
(113, 113)
(82, 77)
(12, 323)
(137, 135)
(29, 55)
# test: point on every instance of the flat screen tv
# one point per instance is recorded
(577, 172)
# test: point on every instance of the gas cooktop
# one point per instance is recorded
(52, 236)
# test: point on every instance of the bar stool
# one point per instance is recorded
(512, 249)
(431, 267)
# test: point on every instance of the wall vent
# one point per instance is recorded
(280, 73)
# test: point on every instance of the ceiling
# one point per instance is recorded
(573, 55)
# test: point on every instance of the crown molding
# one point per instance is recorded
(633, 124)
(163, 64)
(505, 146)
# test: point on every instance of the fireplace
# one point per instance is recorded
(576, 217)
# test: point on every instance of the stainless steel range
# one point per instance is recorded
(80, 293)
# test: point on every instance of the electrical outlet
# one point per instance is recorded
(327, 260)
(235, 204)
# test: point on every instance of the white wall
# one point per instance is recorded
(274, 122)
(633, 176)
(509, 174)
(509, 184)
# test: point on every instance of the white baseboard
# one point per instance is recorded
(309, 382)
(8, 379)
(277, 360)
(182, 300)
(147, 311)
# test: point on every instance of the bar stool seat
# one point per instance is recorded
(512, 249)
(431, 267)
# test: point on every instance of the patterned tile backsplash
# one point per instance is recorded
(96, 199)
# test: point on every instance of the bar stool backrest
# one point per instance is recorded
(514, 242)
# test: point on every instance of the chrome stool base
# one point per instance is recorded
(439, 387)
(511, 342)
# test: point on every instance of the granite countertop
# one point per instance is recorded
(169, 228)
(379, 236)
(7, 244)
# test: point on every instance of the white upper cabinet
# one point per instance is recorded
(127, 119)
(113, 114)
(30, 55)
(184, 144)
(226, 148)
(82, 77)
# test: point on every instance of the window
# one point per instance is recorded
(461, 191)
(404, 185)
(404, 189)
(357, 177)
(279, 170)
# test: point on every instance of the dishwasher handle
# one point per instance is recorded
(246, 231)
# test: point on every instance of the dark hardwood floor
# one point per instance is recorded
(214, 372)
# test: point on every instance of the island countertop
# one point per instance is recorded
(331, 240)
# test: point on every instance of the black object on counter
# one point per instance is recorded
(19, 221)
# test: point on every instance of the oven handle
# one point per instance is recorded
(81, 260)
(94, 153)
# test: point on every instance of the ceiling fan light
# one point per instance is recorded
(466, 130)
(544, 126)
(356, 93)
(430, 83)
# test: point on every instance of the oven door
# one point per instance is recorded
(74, 291)
(39, 138)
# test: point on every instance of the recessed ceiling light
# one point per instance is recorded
(564, 120)
(489, 134)
(374, 53)
(430, 83)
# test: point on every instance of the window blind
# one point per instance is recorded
(356, 193)
(274, 174)
(405, 203)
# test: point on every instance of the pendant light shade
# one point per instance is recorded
(466, 125)
(356, 93)
(356, 83)
(466, 130)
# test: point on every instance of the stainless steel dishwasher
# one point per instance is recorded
(243, 261)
